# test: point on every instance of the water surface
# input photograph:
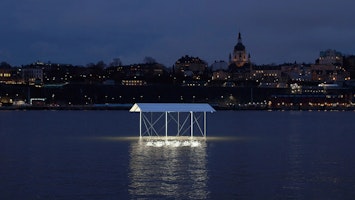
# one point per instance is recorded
(247, 155)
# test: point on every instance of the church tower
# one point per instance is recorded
(239, 56)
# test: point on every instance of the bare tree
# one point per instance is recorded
(5, 65)
(116, 62)
(149, 60)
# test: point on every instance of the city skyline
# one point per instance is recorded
(81, 32)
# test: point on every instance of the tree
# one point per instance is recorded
(116, 62)
(97, 69)
(101, 64)
(149, 60)
(5, 65)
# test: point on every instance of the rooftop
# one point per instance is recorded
(172, 107)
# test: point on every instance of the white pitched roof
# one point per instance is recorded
(171, 107)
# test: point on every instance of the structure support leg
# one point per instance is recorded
(178, 123)
(140, 124)
(204, 124)
(166, 124)
(192, 124)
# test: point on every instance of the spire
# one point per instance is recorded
(239, 38)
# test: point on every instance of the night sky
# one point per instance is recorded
(83, 31)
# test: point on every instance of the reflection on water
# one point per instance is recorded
(168, 171)
(295, 177)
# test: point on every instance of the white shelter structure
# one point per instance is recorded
(157, 119)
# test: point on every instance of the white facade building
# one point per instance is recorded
(32, 75)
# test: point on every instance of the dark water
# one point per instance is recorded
(251, 155)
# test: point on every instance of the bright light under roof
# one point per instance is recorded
(173, 143)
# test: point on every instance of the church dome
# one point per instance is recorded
(239, 47)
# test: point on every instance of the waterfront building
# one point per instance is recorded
(5, 75)
(133, 82)
(323, 96)
(11, 76)
(6, 101)
(194, 83)
(32, 76)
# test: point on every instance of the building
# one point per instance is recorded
(219, 65)
(189, 66)
(5, 75)
(267, 75)
(32, 76)
(220, 71)
(133, 82)
(147, 73)
(330, 57)
(11, 75)
(329, 67)
(329, 73)
(239, 57)
(221, 75)
(297, 72)
(349, 65)
(239, 62)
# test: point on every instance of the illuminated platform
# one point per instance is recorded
(173, 142)
(172, 119)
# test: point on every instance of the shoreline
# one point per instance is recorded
(128, 106)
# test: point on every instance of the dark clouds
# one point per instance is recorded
(83, 31)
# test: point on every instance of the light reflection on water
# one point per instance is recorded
(295, 179)
(168, 171)
(134, 138)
